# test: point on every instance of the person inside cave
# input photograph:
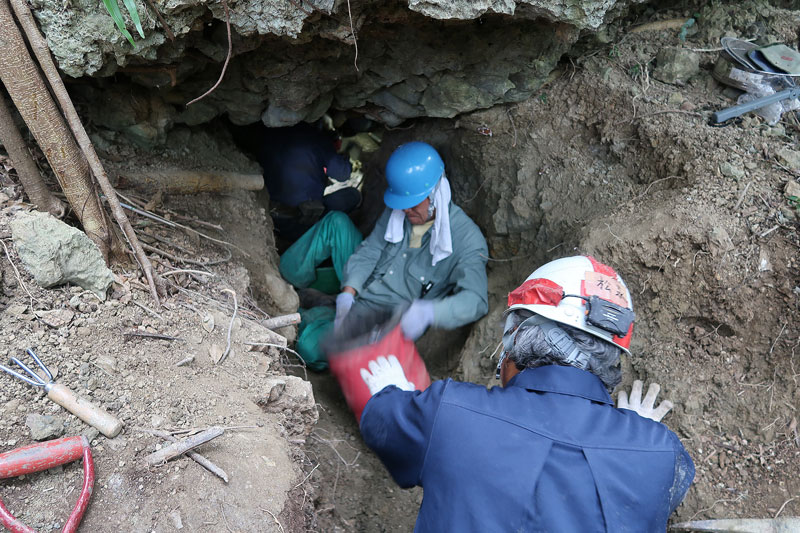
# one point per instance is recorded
(548, 450)
(425, 255)
(297, 162)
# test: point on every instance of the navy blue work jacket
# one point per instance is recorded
(548, 452)
(297, 162)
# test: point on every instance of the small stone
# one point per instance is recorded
(776, 131)
(16, 310)
(676, 65)
(790, 158)
(792, 188)
(107, 363)
(57, 318)
(44, 427)
(675, 99)
(688, 106)
(731, 171)
(764, 264)
(91, 433)
(175, 516)
(11, 405)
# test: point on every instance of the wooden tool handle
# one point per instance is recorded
(96, 417)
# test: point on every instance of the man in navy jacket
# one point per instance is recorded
(548, 451)
(297, 162)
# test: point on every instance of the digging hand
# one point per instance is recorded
(417, 318)
(644, 408)
(385, 371)
(343, 304)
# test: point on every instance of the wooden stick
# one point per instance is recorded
(230, 326)
(180, 447)
(274, 338)
(187, 271)
(178, 181)
(151, 335)
(27, 172)
(185, 361)
(42, 52)
(184, 259)
(279, 322)
(659, 25)
(199, 459)
(147, 310)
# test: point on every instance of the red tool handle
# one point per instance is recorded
(42, 456)
(86, 491)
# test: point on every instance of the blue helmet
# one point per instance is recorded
(413, 170)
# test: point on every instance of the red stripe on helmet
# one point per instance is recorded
(625, 341)
(601, 267)
(538, 291)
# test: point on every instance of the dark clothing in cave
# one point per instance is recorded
(297, 163)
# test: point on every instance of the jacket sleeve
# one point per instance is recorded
(362, 263)
(397, 425)
(470, 299)
(684, 475)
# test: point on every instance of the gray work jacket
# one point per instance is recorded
(387, 275)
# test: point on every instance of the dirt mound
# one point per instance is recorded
(106, 352)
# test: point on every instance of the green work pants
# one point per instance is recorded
(334, 237)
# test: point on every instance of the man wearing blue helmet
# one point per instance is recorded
(424, 253)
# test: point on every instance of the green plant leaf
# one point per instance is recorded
(113, 9)
(131, 5)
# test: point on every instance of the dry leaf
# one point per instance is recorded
(208, 323)
(215, 351)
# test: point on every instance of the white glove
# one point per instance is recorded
(385, 372)
(644, 407)
(344, 301)
(417, 318)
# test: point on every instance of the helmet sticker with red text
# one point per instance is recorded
(606, 288)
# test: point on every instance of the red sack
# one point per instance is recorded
(346, 365)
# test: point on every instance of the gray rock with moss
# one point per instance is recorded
(56, 253)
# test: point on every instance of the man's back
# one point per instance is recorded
(546, 453)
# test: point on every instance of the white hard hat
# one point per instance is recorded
(580, 292)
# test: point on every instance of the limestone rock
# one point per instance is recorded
(676, 65)
(294, 397)
(731, 170)
(56, 318)
(44, 427)
(56, 253)
(411, 65)
(584, 15)
(792, 189)
(791, 158)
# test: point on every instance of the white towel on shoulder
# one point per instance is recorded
(441, 239)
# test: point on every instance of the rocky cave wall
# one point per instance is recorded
(293, 60)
